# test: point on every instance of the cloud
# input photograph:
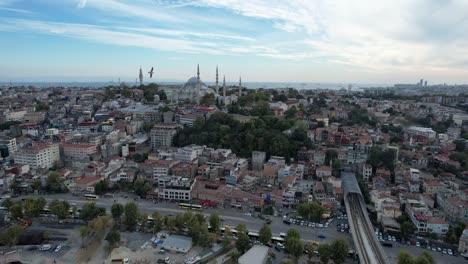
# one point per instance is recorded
(182, 33)
(16, 10)
(385, 34)
(81, 4)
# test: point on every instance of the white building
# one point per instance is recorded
(188, 153)
(162, 134)
(256, 255)
(421, 131)
(176, 188)
(39, 156)
(10, 142)
(366, 172)
(52, 131)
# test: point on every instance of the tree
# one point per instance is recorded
(7, 203)
(407, 229)
(101, 187)
(242, 243)
(90, 211)
(117, 210)
(54, 182)
(293, 244)
(405, 258)
(84, 232)
(130, 215)
(325, 252)
(10, 236)
(311, 211)
(339, 251)
(265, 234)
(60, 208)
(425, 258)
(310, 250)
(100, 224)
(157, 222)
(235, 255)
(215, 223)
(113, 237)
(33, 207)
(141, 187)
(16, 210)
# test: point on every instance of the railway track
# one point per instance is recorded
(370, 249)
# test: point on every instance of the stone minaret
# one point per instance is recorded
(141, 76)
(216, 86)
(240, 87)
(224, 89)
(198, 85)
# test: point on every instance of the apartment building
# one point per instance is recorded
(162, 134)
(79, 151)
(38, 156)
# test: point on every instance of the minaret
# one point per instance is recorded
(224, 89)
(198, 85)
(240, 87)
(141, 77)
(216, 87)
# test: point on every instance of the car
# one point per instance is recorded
(45, 247)
(268, 221)
(162, 251)
(320, 226)
(167, 260)
(393, 238)
(31, 248)
(449, 251)
(59, 247)
(322, 236)
(125, 261)
(439, 249)
(433, 248)
(53, 248)
(418, 244)
(444, 251)
(277, 248)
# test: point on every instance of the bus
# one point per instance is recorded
(190, 206)
(91, 197)
(253, 235)
(276, 239)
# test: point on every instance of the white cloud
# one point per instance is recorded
(81, 4)
(182, 33)
(386, 34)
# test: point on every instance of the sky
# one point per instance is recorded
(324, 41)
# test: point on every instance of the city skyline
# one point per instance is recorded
(286, 41)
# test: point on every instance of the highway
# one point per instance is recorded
(232, 217)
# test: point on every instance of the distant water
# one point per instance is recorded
(250, 85)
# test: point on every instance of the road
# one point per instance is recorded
(233, 217)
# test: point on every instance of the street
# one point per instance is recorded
(232, 217)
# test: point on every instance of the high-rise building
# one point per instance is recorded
(10, 143)
(39, 156)
(258, 159)
(162, 134)
(421, 82)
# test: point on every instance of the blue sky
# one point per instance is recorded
(334, 41)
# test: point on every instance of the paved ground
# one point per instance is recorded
(233, 217)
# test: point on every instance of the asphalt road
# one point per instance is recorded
(233, 217)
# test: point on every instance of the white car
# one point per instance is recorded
(59, 247)
(125, 261)
(45, 247)
(449, 251)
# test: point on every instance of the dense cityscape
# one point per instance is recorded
(219, 170)
(233, 132)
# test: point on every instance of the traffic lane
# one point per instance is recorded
(392, 253)
(232, 217)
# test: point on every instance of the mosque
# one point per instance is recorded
(194, 89)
